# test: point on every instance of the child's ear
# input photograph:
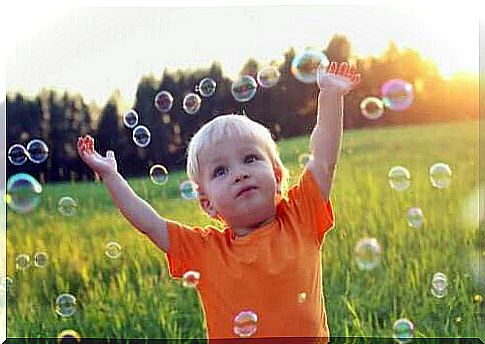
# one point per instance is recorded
(278, 173)
(206, 204)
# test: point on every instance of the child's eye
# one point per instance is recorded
(251, 158)
(219, 172)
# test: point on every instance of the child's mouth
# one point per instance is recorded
(246, 191)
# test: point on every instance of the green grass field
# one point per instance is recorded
(133, 297)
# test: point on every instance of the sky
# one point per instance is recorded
(95, 50)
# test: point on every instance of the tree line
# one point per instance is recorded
(288, 109)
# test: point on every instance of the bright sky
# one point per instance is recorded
(95, 50)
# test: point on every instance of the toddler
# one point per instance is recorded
(265, 265)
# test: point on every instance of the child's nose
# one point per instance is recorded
(240, 175)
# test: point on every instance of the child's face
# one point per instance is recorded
(227, 168)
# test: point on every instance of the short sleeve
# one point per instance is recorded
(187, 246)
(314, 212)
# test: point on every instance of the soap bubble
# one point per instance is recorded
(439, 284)
(415, 217)
(440, 175)
(41, 259)
(67, 206)
(397, 94)
(303, 159)
(268, 76)
(159, 174)
(244, 88)
(68, 337)
(187, 190)
(245, 323)
(301, 297)
(130, 119)
(22, 261)
(23, 193)
(403, 330)
(141, 136)
(191, 103)
(17, 154)
(65, 305)
(372, 107)
(38, 151)
(207, 87)
(163, 101)
(367, 253)
(399, 178)
(190, 279)
(304, 66)
(113, 250)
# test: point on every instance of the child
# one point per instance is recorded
(266, 262)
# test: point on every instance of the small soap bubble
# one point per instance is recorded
(245, 323)
(187, 190)
(190, 279)
(372, 107)
(68, 337)
(303, 159)
(415, 217)
(38, 151)
(65, 305)
(207, 87)
(244, 88)
(41, 259)
(439, 285)
(141, 136)
(113, 250)
(17, 154)
(191, 103)
(130, 119)
(367, 253)
(22, 262)
(163, 101)
(23, 193)
(159, 174)
(301, 297)
(397, 94)
(403, 330)
(440, 175)
(399, 178)
(268, 76)
(67, 206)
(304, 66)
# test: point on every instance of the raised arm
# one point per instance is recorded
(136, 210)
(326, 137)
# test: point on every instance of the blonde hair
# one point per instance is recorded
(226, 127)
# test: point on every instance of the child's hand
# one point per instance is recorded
(341, 79)
(99, 164)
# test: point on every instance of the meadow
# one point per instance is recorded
(134, 297)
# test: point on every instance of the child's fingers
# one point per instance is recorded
(356, 79)
(342, 69)
(350, 72)
(332, 68)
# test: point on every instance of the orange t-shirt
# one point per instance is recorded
(274, 271)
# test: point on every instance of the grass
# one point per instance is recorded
(133, 297)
